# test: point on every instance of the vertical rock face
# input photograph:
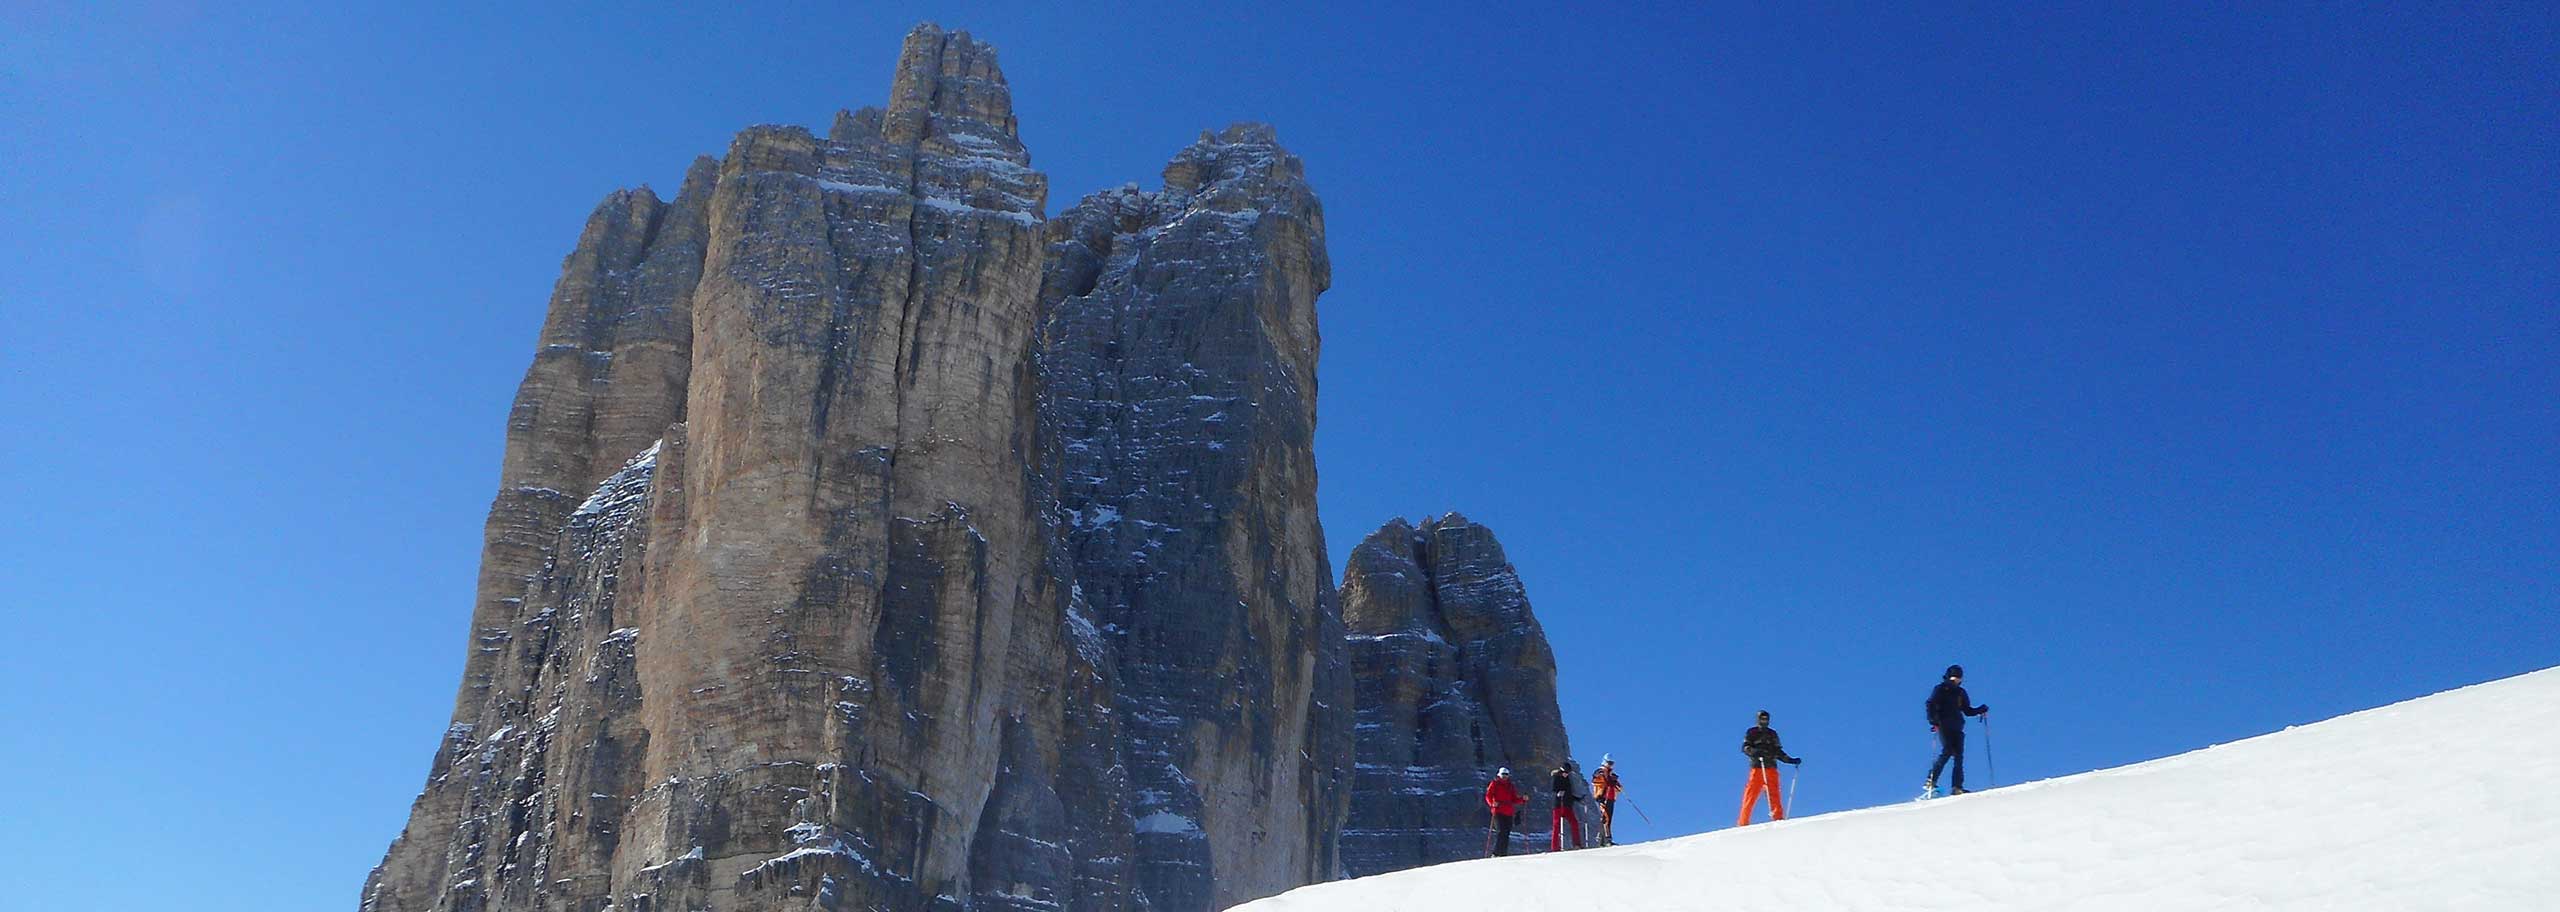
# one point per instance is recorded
(547, 648)
(797, 593)
(1180, 356)
(1455, 681)
(608, 379)
(847, 605)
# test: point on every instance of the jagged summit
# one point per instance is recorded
(952, 77)
(1448, 551)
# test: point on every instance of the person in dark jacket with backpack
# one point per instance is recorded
(1948, 705)
(1761, 745)
(1566, 781)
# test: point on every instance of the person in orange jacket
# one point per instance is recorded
(1761, 745)
(1605, 788)
(1503, 799)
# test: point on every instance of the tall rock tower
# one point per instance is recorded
(1181, 355)
(799, 593)
(1455, 681)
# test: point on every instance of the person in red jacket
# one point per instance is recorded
(1503, 799)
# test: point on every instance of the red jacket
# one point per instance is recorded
(1502, 797)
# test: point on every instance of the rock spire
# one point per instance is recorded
(1454, 681)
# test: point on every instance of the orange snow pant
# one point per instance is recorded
(1762, 779)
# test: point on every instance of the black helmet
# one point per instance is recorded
(1955, 671)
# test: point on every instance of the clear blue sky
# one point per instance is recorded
(2185, 373)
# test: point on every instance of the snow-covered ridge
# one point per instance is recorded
(2444, 802)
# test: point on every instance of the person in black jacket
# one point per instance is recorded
(1948, 705)
(1566, 781)
(1761, 745)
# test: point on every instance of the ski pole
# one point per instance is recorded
(1792, 807)
(1992, 763)
(1639, 809)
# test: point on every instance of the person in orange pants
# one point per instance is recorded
(1761, 745)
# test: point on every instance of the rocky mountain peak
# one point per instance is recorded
(1234, 163)
(866, 540)
(949, 82)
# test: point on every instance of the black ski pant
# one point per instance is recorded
(1950, 747)
(1501, 836)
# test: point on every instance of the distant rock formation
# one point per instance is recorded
(867, 541)
(1454, 681)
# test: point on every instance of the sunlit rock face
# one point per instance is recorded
(868, 540)
(1454, 681)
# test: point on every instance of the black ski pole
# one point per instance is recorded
(1639, 809)
(1989, 760)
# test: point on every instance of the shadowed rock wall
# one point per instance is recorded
(1180, 359)
(1455, 681)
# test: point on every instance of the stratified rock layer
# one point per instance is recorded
(1455, 681)
(797, 594)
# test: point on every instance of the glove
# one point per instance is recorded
(1795, 761)
(1933, 727)
(1986, 709)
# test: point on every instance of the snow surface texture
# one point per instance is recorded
(2445, 802)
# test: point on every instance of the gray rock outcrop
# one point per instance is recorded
(867, 541)
(1454, 681)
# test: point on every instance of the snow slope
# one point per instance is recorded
(2444, 802)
